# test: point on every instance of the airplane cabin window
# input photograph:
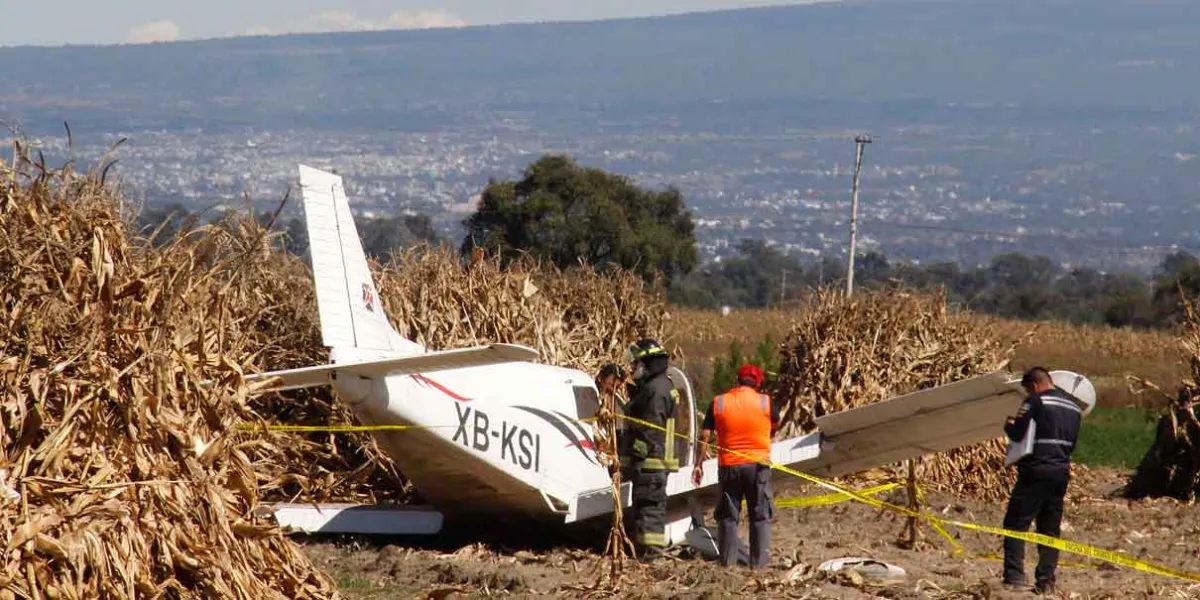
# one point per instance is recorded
(587, 402)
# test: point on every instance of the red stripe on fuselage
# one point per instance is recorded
(439, 387)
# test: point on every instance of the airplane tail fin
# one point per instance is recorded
(348, 302)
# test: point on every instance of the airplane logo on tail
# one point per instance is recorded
(368, 297)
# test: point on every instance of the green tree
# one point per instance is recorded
(725, 368)
(757, 273)
(753, 278)
(164, 222)
(871, 269)
(381, 236)
(565, 213)
(1124, 300)
(1020, 286)
(1178, 272)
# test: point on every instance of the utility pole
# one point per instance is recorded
(859, 142)
(782, 286)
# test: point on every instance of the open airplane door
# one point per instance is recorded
(686, 420)
(598, 502)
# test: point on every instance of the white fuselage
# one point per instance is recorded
(508, 439)
(496, 439)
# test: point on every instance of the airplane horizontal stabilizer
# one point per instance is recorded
(421, 363)
(916, 424)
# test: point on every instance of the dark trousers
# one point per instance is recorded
(649, 511)
(753, 483)
(1034, 499)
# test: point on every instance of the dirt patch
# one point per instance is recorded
(1163, 531)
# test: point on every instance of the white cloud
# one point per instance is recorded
(254, 31)
(154, 31)
(332, 20)
(342, 21)
(423, 19)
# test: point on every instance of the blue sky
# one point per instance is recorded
(117, 21)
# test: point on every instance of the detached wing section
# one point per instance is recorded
(422, 363)
(924, 422)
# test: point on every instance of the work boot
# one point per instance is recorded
(1045, 587)
(1015, 586)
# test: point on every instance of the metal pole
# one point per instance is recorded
(782, 287)
(859, 142)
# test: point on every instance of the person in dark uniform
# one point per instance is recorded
(1042, 476)
(648, 451)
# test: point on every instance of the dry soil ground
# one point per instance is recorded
(527, 563)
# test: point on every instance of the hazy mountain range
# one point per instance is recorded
(849, 63)
(1069, 123)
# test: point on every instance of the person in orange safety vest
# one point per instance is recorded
(744, 420)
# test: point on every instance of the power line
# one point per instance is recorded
(1039, 237)
(1111, 244)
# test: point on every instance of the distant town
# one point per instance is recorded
(925, 194)
(1030, 136)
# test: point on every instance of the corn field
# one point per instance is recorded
(121, 386)
(1171, 466)
(125, 476)
(123, 473)
(845, 353)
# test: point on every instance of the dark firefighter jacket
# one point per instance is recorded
(653, 400)
(1057, 416)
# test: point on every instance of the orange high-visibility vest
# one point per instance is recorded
(743, 420)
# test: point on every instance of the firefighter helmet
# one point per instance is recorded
(643, 349)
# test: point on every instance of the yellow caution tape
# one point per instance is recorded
(1036, 538)
(841, 494)
(827, 499)
(958, 550)
(954, 545)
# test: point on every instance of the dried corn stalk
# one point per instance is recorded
(1171, 466)
(618, 546)
(574, 317)
(125, 476)
(844, 353)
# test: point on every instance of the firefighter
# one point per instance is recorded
(648, 448)
(745, 420)
(1042, 476)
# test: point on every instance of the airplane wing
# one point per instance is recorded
(421, 363)
(916, 424)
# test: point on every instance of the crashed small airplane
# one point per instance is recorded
(498, 434)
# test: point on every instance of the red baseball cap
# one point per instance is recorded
(752, 373)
